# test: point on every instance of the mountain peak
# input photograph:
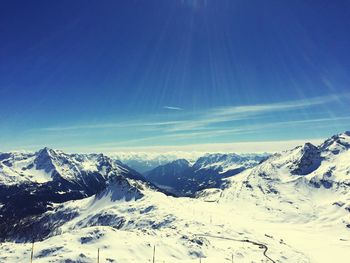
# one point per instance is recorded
(301, 160)
(44, 159)
(347, 133)
(46, 151)
(308, 148)
(337, 143)
(181, 162)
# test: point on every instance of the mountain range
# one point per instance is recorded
(291, 206)
(184, 178)
(144, 162)
(31, 182)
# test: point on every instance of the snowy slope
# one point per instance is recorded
(182, 229)
(304, 184)
(307, 189)
(126, 228)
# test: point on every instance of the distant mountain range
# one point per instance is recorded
(144, 162)
(183, 178)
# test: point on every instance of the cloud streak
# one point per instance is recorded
(273, 107)
(214, 133)
(213, 122)
(249, 112)
(173, 108)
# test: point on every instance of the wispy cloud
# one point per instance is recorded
(129, 124)
(198, 120)
(216, 133)
(225, 114)
(173, 108)
(215, 121)
(273, 107)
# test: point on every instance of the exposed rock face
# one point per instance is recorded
(309, 160)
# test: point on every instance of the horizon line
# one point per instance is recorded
(268, 146)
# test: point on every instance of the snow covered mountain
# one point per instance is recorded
(173, 177)
(31, 182)
(228, 163)
(306, 183)
(48, 165)
(292, 207)
(40, 226)
(182, 178)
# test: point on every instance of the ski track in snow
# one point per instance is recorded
(260, 245)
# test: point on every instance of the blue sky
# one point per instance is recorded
(105, 75)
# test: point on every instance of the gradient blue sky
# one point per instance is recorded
(105, 75)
